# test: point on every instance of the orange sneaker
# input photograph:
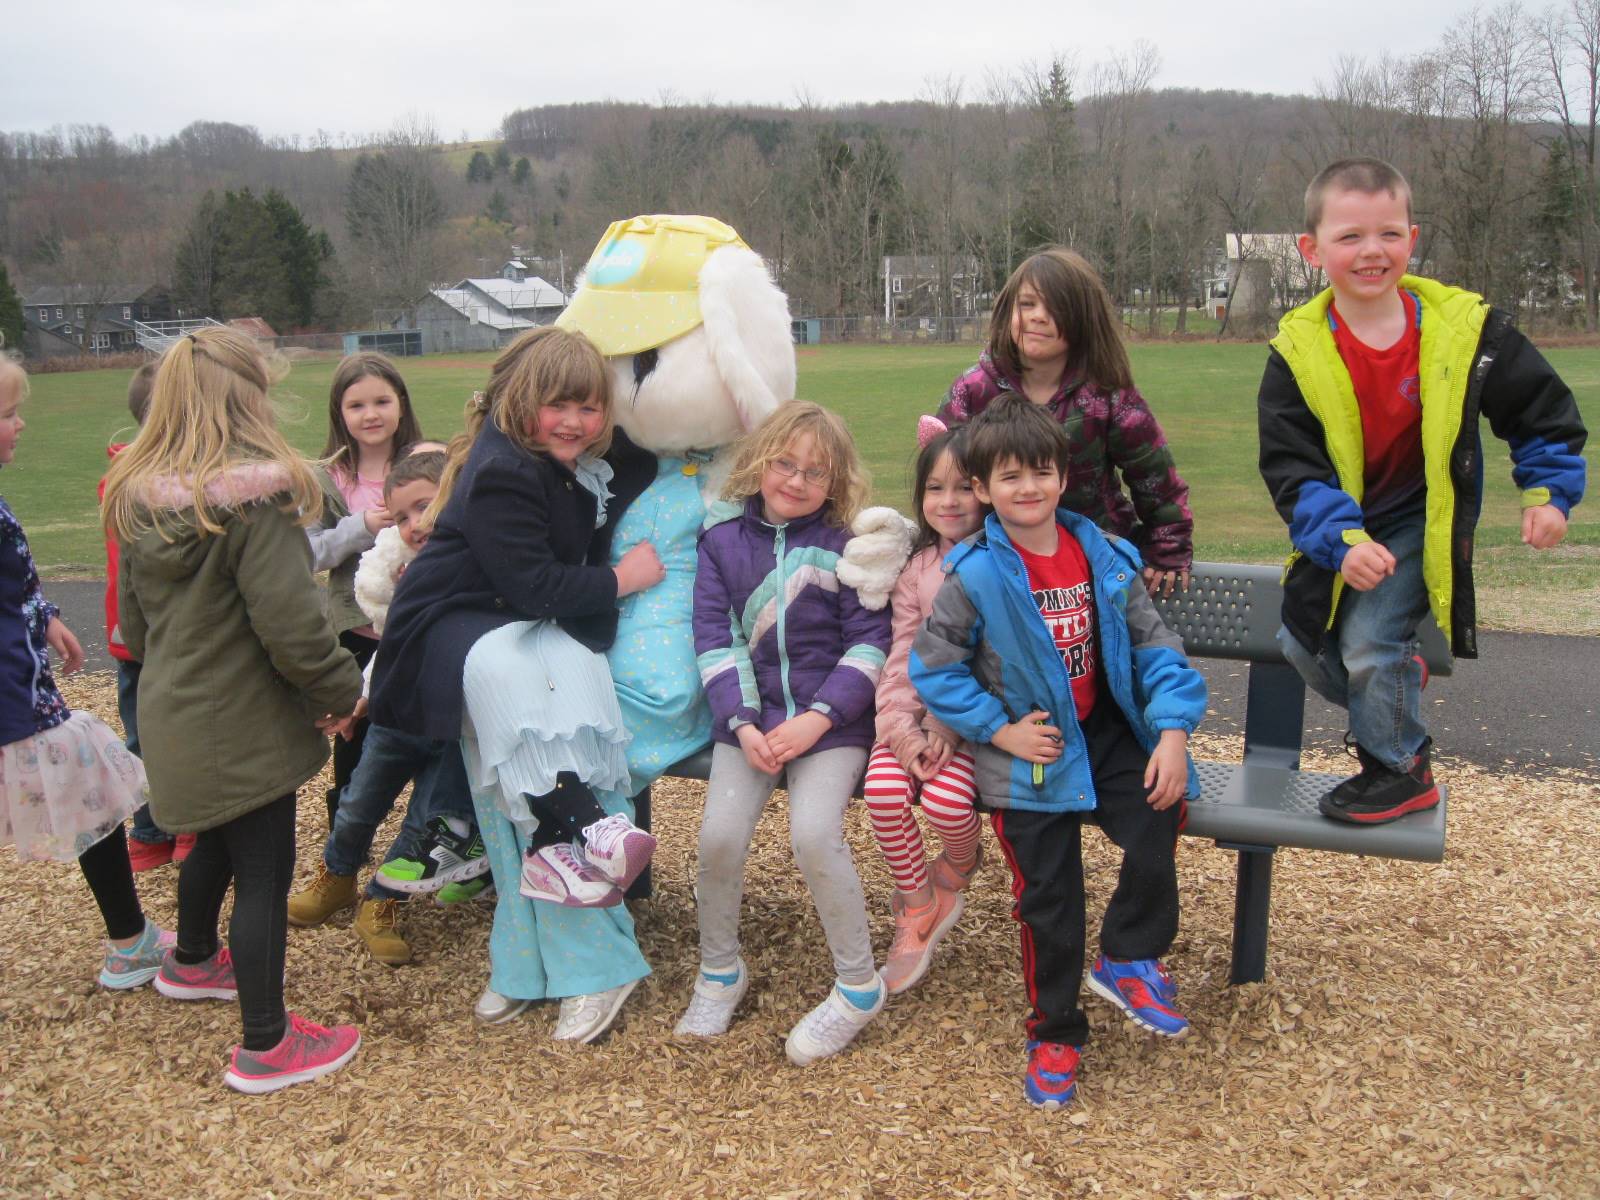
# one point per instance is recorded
(947, 878)
(917, 932)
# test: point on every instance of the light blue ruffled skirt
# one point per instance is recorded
(539, 703)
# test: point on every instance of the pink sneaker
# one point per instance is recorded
(560, 875)
(618, 849)
(307, 1051)
(917, 934)
(947, 878)
(182, 845)
(209, 980)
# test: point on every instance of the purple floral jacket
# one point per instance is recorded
(1110, 432)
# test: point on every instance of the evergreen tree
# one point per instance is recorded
(12, 325)
(246, 257)
(522, 172)
(502, 158)
(480, 169)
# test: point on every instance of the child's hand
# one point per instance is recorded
(1160, 583)
(1030, 739)
(1168, 772)
(797, 735)
(345, 726)
(638, 569)
(1366, 565)
(1543, 526)
(756, 751)
(932, 758)
(376, 519)
(64, 644)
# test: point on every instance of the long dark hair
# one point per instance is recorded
(1081, 308)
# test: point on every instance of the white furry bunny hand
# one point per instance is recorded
(874, 558)
(378, 572)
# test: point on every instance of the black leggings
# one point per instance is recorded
(110, 877)
(255, 853)
(347, 754)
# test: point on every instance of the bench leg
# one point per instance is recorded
(1252, 907)
(641, 888)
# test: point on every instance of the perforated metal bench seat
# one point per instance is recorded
(1231, 611)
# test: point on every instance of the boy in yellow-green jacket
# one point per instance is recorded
(1369, 445)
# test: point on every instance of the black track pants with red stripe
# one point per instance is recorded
(1045, 853)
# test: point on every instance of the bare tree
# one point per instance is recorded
(393, 211)
(1570, 42)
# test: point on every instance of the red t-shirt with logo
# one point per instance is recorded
(1065, 596)
(1389, 393)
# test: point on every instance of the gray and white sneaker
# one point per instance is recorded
(711, 1006)
(830, 1026)
(584, 1018)
(495, 1009)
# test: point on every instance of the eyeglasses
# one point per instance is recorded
(788, 468)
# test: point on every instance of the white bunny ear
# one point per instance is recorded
(747, 326)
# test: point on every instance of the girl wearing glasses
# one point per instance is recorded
(790, 662)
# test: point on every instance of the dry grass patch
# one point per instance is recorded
(1424, 1031)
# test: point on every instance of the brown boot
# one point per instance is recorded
(378, 923)
(326, 895)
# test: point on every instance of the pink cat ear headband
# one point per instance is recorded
(929, 428)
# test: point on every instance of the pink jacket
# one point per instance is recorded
(902, 717)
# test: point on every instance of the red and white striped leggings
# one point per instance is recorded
(946, 799)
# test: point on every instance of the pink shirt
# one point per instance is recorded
(359, 495)
(902, 717)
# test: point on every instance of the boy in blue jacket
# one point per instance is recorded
(1044, 651)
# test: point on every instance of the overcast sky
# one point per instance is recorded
(355, 66)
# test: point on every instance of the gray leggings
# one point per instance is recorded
(820, 786)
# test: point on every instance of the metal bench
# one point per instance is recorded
(1254, 807)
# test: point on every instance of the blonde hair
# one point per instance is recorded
(543, 366)
(209, 414)
(12, 371)
(848, 485)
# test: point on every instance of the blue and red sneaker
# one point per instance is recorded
(1141, 988)
(1052, 1078)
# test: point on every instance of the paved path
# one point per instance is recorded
(1530, 700)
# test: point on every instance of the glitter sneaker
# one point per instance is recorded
(584, 1018)
(618, 849)
(560, 875)
(307, 1051)
(209, 980)
(139, 963)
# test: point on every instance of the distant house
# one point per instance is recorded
(485, 314)
(1278, 270)
(92, 318)
(913, 286)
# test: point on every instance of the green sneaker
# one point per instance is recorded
(455, 893)
(445, 857)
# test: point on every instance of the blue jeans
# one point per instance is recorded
(390, 759)
(144, 826)
(1366, 666)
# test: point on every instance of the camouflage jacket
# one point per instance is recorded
(1110, 432)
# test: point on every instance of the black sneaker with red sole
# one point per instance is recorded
(1381, 793)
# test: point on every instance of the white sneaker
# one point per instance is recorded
(711, 1006)
(560, 875)
(618, 849)
(494, 1009)
(584, 1018)
(830, 1026)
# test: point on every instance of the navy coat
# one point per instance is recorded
(516, 542)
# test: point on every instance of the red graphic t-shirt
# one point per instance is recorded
(1389, 392)
(1065, 597)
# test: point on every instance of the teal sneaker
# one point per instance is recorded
(138, 964)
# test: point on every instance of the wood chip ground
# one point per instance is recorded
(1423, 1031)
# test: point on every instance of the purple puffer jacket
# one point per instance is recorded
(776, 633)
(1110, 432)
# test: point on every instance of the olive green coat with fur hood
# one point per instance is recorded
(239, 660)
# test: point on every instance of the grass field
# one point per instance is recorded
(1203, 392)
